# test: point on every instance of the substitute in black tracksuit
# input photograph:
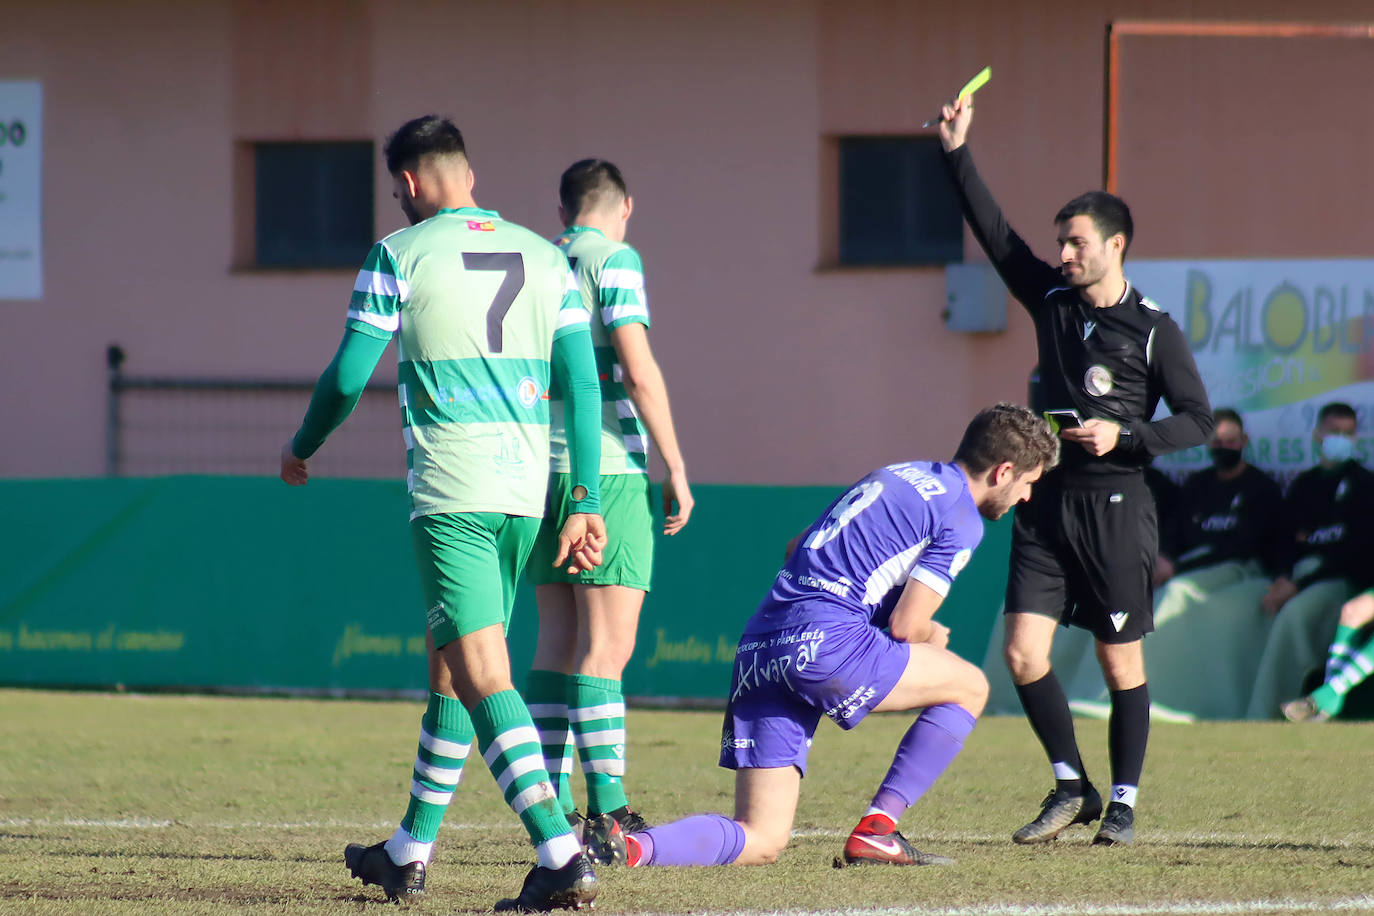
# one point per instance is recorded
(1083, 548)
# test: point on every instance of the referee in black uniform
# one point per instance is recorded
(1083, 548)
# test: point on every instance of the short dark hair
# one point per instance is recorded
(428, 135)
(587, 183)
(1338, 409)
(1008, 432)
(1229, 415)
(1108, 212)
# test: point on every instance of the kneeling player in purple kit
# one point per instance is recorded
(882, 557)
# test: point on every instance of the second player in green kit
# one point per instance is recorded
(587, 621)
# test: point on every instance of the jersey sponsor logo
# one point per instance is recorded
(1118, 619)
(527, 390)
(481, 225)
(846, 708)
(1220, 523)
(960, 560)
(1331, 534)
(436, 615)
(1098, 381)
(731, 743)
(840, 587)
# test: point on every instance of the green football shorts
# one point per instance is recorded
(629, 556)
(470, 563)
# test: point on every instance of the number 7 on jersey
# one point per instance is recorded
(512, 264)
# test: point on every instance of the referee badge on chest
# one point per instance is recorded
(1098, 381)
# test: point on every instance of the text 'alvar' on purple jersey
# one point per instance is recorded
(915, 520)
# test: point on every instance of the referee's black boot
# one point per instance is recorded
(1118, 827)
(1060, 810)
(373, 864)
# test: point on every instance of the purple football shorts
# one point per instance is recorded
(785, 680)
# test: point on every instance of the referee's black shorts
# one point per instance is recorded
(1085, 555)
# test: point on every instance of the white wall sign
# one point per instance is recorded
(21, 190)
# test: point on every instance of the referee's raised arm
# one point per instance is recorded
(1026, 276)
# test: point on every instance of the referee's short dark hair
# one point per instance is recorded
(1108, 212)
(428, 135)
(1338, 409)
(1008, 432)
(588, 184)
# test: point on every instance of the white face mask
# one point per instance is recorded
(1337, 447)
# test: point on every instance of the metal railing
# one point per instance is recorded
(206, 425)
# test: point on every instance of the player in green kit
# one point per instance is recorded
(485, 314)
(587, 621)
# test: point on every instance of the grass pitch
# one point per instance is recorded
(124, 804)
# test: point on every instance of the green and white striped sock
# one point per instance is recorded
(1330, 697)
(596, 711)
(546, 692)
(510, 746)
(445, 737)
(1340, 651)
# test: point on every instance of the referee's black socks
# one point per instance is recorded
(1128, 731)
(1047, 709)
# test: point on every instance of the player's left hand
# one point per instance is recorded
(581, 542)
(293, 470)
(938, 636)
(1097, 436)
(676, 491)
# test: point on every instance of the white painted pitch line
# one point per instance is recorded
(1203, 907)
(147, 823)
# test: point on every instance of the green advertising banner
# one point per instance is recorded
(243, 583)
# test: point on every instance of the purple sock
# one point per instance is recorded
(702, 839)
(927, 748)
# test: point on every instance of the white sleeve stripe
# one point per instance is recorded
(1150, 347)
(635, 444)
(568, 318)
(621, 278)
(380, 284)
(625, 409)
(924, 576)
(571, 285)
(389, 323)
(611, 313)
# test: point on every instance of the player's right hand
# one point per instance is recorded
(957, 115)
(581, 542)
(293, 470)
(939, 635)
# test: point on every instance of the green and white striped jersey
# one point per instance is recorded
(477, 302)
(611, 277)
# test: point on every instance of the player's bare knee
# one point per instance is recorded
(1025, 665)
(1358, 611)
(976, 692)
(762, 846)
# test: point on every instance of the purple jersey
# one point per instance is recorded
(915, 520)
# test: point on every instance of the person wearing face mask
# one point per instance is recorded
(1210, 576)
(1330, 509)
